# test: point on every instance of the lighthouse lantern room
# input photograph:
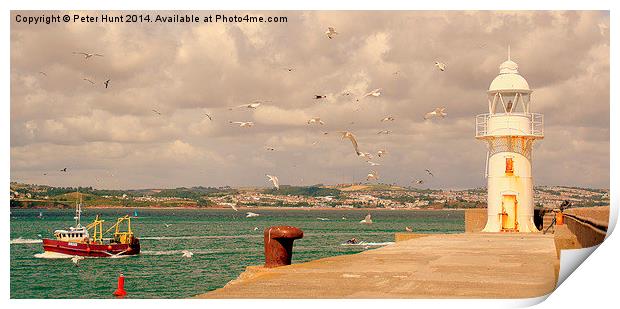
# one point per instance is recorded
(509, 129)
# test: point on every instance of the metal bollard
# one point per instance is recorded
(279, 245)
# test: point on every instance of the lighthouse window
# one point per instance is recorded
(509, 166)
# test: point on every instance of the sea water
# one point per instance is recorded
(224, 243)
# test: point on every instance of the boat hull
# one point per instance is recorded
(91, 250)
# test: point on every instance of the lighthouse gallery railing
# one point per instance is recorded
(536, 124)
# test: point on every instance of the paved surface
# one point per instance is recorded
(470, 265)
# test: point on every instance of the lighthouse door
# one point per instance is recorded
(509, 212)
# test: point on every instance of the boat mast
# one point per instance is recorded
(78, 211)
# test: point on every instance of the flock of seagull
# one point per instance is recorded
(331, 33)
(438, 113)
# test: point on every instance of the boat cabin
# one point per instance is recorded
(72, 235)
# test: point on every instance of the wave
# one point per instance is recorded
(20, 240)
(57, 255)
(198, 237)
(179, 252)
(120, 256)
(363, 243)
(52, 255)
(250, 235)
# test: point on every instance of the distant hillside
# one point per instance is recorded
(304, 191)
(372, 187)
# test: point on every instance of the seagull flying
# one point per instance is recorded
(331, 32)
(274, 180)
(438, 112)
(243, 124)
(76, 260)
(107, 82)
(419, 182)
(351, 137)
(440, 65)
(316, 120)
(365, 155)
(372, 175)
(408, 229)
(384, 132)
(270, 148)
(87, 55)
(319, 96)
(429, 172)
(372, 163)
(88, 80)
(251, 214)
(156, 111)
(367, 219)
(388, 118)
(209, 116)
(374, 93)
(250, 106)
(64, 169)
(43, 73)
(187, 254)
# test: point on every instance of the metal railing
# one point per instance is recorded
(536, 123)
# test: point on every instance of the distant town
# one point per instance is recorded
(317, 196)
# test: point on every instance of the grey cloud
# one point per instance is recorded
(185, 70)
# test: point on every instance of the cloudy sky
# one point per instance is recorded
(111, 138)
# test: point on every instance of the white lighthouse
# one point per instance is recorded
(509, 129)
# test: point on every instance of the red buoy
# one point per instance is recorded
(120, 288)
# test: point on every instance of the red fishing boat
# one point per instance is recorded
(78, 240)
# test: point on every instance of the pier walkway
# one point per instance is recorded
(469, 265)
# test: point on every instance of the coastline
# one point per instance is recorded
(247, 208)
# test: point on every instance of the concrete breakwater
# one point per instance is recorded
(471, 265)
(467, 265)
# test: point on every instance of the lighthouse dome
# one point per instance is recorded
(509, 78)
(508, 66)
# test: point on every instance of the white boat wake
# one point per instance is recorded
(20, 240)
(52, 255)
